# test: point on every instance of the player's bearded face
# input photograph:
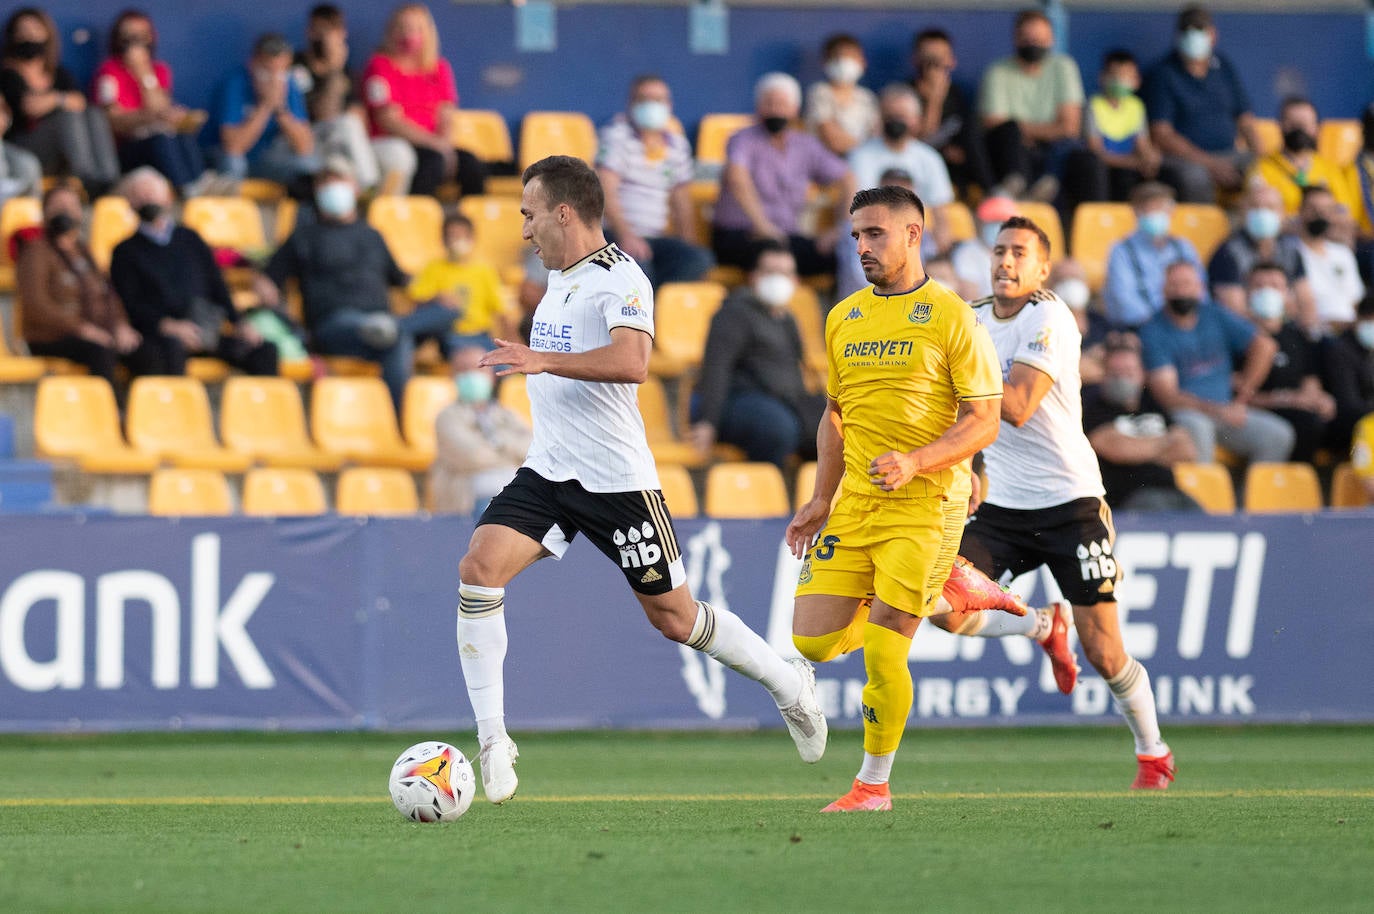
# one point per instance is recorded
(882, 245)
(1018, 264)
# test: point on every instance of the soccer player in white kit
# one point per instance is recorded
(589, 470)
(1044, 504)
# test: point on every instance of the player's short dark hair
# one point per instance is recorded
(1029, 225)
(1118, 56)
(934, 33)
(327, 13)
(889, 195)
(761, 249)
(1031, 14)
(453, 219)
(1193, 16)
(568, 179)
(840, 40)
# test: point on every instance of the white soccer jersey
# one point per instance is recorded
(1048, 461)
(588, 430)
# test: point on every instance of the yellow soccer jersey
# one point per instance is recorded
(476, 286)
(899, 365)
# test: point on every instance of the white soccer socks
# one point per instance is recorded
(1135, 699)
(482, 652)
(723, 636)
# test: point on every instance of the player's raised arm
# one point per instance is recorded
(624, 361)
(1022, 392)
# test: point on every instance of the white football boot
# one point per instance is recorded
(497, 760)
(805, 720)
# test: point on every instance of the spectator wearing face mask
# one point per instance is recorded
(751, 391)
(70, 309)
(480, 443)
(949, 122)
(345, 271)
(1117, 129)
(466, 289)
(1348, 373)
(1293, 387)
(1329, 265)
(21, 175)
(1136, 443)
(258, 123)
(1134, 289)
(646, 173)
(1197, 107)
(134, 88)
(972, 257)
(1297, 166)
(1189, 350)
(1260, 237)
(1068, 282)
(770, 169)
(841, 112)
(898, 149)
(174, 292)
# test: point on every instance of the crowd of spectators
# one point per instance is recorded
(1264, 348)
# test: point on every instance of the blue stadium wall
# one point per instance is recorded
(600, 47)
(337, 623)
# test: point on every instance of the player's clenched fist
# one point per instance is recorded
(892, 470)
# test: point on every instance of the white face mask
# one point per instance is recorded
(1195, 44)
(1074, 292)
(1364, 332)
(650, 115)
(844, 70)
(775, 290)
(1266, 303)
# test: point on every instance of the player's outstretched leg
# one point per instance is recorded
(967, 589)
(723, 636)
(482, 652)
(886, 705)
(1054, 638)
(1135, 699)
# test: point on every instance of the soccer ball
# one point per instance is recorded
(432, 782)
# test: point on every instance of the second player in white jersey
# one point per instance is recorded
(1048, 460)
(590, 431)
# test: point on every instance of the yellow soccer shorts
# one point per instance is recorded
(899, 549)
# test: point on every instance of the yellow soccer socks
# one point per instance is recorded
(887, 696)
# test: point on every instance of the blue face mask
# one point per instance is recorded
(475, 386)
(650, 115)
(1195, 44)
(335, 199)
(1364, 332)
(1154, 225)
(1266, 303)
(1262, 224)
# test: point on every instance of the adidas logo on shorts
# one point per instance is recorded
(650, 577)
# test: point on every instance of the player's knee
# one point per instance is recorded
(474, 569)
(819, 648)
(672, 627)
(1106, 657)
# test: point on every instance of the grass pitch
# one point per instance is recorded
(1261, 819)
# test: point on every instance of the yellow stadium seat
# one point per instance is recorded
(561, 133)
(511, 393)
(374, 491)
(193, 493)
(682, 318)
(1209, 484)
(354, 418)
(1340, 140)
(805, 485)
(76, 418)
(713, 135)
(346, 366)
(482, 133)
(413, 228)
(667, 447)
(746, 490)
(678, 491)
(112, 220)
(227, 222)
(170, 418)
(275, 492)
(496, 225)
(15, 368)
(806, 310)
(284, 220)
(1096, 227)
(1205, 225)
(424, 399)
(955, 219)
(1268, 135)
(1347, 489)
(264, 419)
(1047, 217)
(15, 214)
(208, 370)
(1282, 488)
(261, 190)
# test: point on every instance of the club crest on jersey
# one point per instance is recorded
(571, 292)
(920, 313)
(635, 549)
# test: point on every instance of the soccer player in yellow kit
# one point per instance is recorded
(914, 391)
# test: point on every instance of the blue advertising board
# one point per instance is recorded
(329, 622)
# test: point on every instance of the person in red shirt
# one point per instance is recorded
(135, 89)
(410, 94)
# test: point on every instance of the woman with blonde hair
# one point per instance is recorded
(410, 95)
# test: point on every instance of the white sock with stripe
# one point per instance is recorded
(1135, 699)
(482, 652)
(723, 636)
